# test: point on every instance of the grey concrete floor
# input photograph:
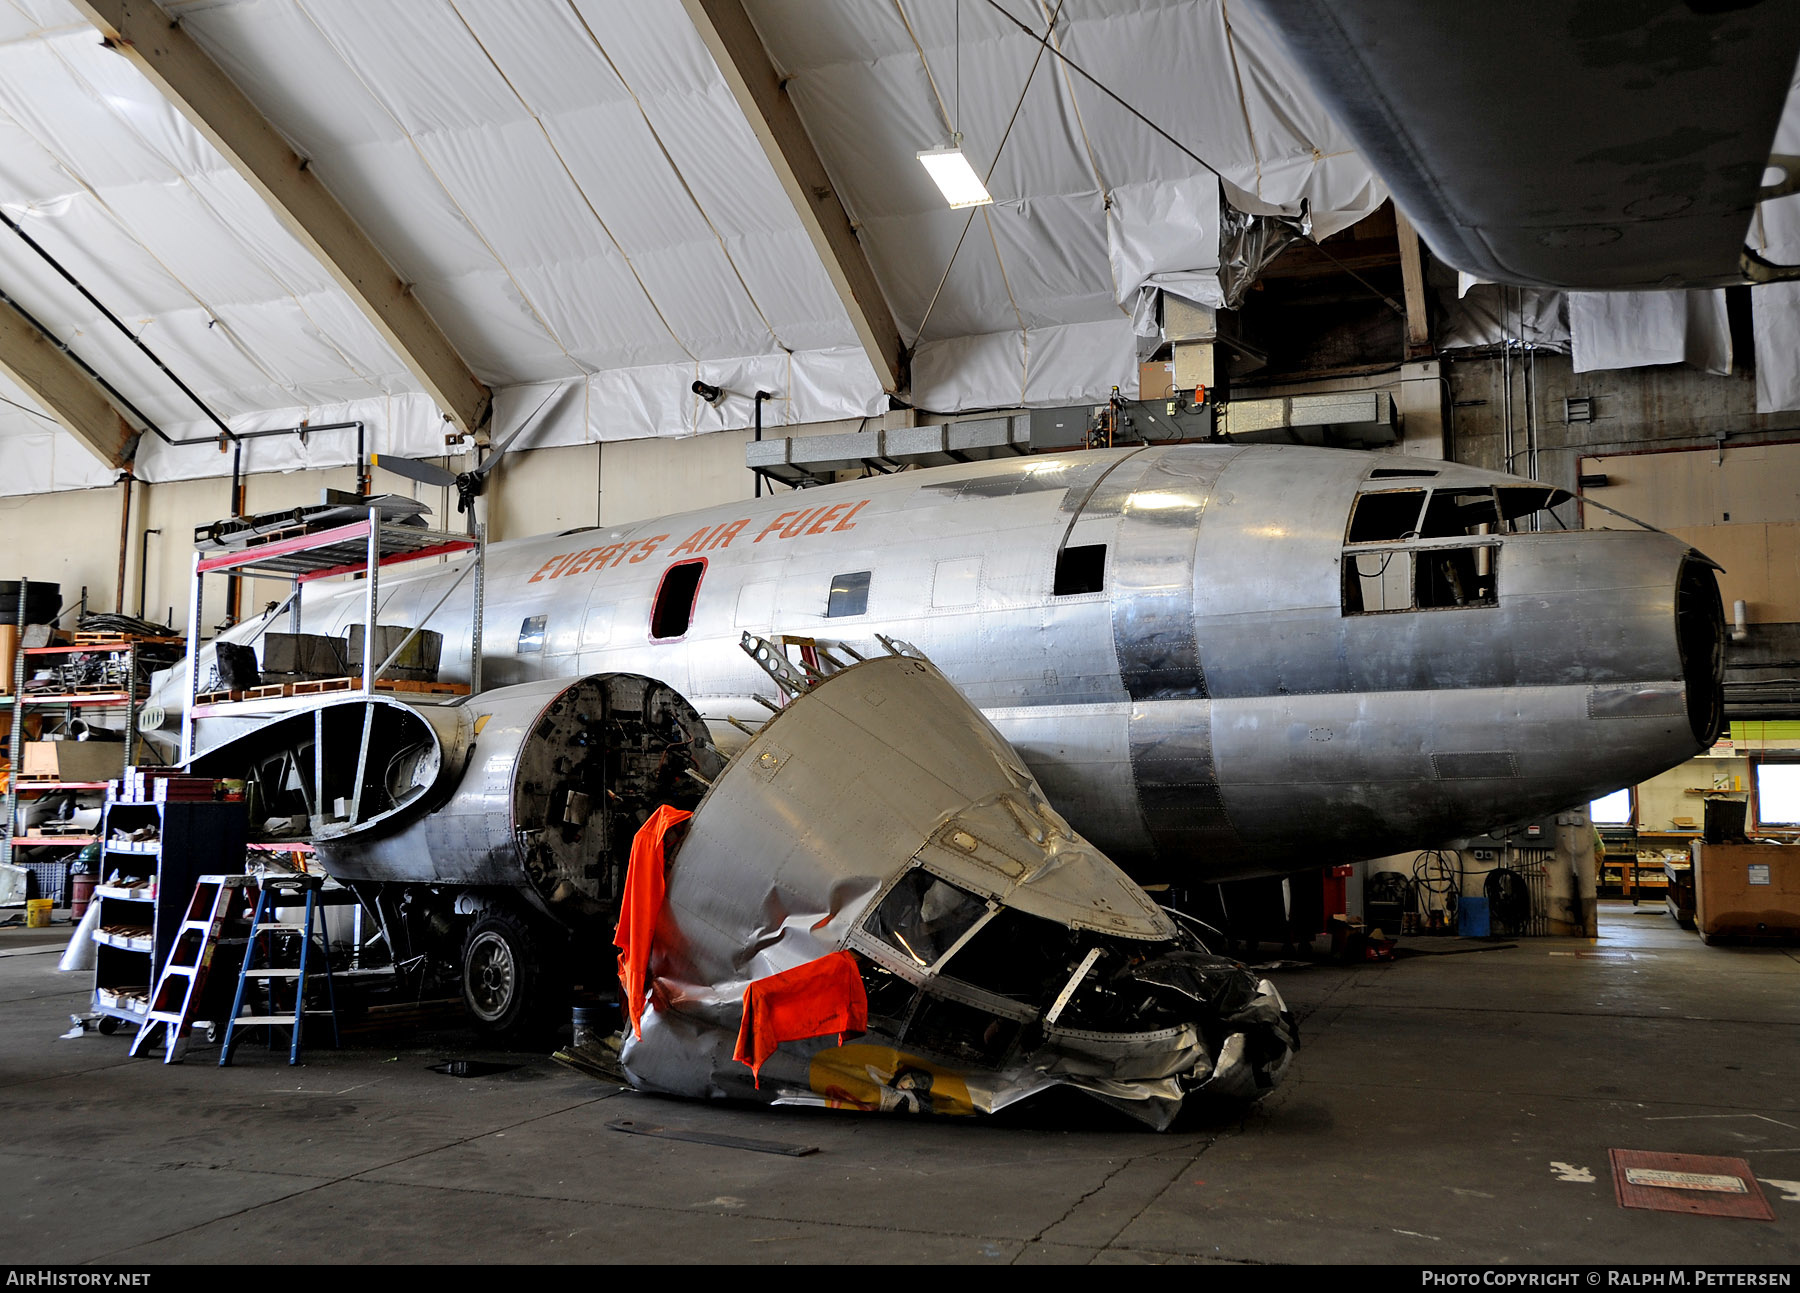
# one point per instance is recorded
(1445, 1108)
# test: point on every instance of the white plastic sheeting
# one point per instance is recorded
(1635, 329)
(1492, 314)
(1165, 237)
(578, 201)
(1775, 307)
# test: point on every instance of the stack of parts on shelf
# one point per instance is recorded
(153, 785)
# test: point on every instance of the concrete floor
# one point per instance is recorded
(1445, 1108)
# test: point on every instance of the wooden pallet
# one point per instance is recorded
(429, 688)
(124, 640)
(327, 686)
(322, 685)
(319, 686)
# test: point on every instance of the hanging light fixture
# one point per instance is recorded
(953, 175)
(948, 168)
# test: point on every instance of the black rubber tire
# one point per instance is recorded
(510, 983)
(43, 601)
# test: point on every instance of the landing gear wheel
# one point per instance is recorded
(507, 983)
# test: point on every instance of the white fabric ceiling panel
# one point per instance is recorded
(983, 371)
(577, 200)
(876, 83)
(1057, 239)
(41, 463)
(37, 455)
(1046, 366)
(116, 185)
(1064, 365)
(909, 256)
(698, 126)
(615, 404)
(407, 425)
(608, 252)
(625, 217)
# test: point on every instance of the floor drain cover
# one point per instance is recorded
(1693, 1183)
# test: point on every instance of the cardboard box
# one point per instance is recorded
(1747, 890)
(72, 761)
(1157, 381)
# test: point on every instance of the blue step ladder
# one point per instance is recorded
(267, 933)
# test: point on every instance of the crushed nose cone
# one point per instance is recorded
(875, 908)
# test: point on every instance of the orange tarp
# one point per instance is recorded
(811, 1000)
(642, 904)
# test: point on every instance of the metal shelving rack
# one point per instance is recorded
(365, 546)
(192, 840)
(22, 703)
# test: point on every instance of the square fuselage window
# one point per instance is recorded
(1080, 570)
(849, 595)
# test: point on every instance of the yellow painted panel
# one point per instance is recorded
(1746, 485)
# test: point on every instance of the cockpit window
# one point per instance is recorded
(922, 916)
(1450, 577)
(1519, 501)
(1454, 512)
(1421, 579)
(1377, 581)
(1024, 958)
(1385, 516)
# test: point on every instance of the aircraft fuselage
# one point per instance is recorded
(1218, 660)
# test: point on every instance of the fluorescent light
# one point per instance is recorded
(955, 178)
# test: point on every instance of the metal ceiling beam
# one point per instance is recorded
(199, 88)
(760, 91)
(58, 383)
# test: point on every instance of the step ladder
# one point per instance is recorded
(215, 919)
(260, 954)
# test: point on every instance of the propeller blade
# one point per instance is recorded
(424, 472)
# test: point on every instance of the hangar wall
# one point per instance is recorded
(1739, 504)
(71, 537)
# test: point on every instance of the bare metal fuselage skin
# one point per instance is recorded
(1220, 705)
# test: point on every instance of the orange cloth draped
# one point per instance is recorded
(642, 904)
(811, 1000)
